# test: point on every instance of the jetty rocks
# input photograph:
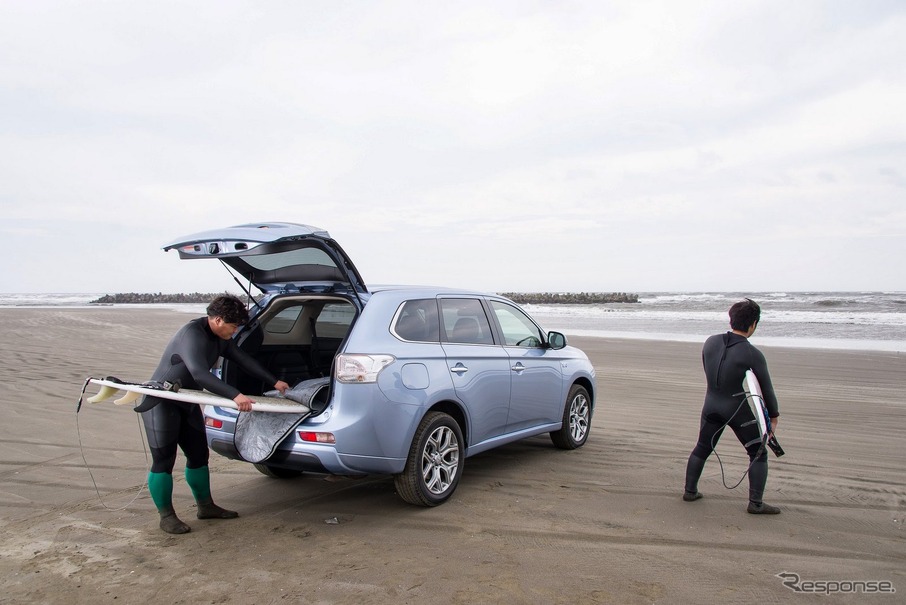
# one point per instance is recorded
(534, 298)
(134, 298)
(570, 298)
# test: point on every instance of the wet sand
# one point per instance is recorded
(528, 523)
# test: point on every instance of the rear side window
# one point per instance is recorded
(334, 320)
(417, 321)
(465, 322)
(283, 322)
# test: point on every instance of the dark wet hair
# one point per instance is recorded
(230, 309)
(743, 314)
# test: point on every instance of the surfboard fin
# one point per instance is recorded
(128, 398)
(104, 394)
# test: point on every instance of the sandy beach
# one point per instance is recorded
(528, 523)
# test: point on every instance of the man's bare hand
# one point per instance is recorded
(243, 402)
(281, 386)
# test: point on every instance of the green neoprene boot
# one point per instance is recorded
(199, 480)
(160, 485)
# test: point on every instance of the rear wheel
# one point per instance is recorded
(435, 462)
(276, 472)
(576, 420)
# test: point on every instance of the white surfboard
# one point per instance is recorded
(134, 391)
(756, 402)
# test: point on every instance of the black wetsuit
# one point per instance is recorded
(188, 358)
(725, 358)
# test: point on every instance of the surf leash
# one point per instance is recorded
(85, 460)
(723, 477)
(82, 395)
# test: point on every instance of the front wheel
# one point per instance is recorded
(435, 462)
(576, 420)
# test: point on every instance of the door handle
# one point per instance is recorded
(518, 367)
(459, 369)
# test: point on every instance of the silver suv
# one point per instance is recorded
(410, 381)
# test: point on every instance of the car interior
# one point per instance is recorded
(296, 339)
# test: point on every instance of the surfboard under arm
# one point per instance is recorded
(756, 402)
(760, 409)
(110, 388)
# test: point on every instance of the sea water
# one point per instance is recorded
(80, 300)
(840, 320)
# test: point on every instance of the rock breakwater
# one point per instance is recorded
(570, 298)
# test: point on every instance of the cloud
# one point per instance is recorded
(620, 145)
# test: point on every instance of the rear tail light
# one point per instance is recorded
(361, 368)
(313, 437)
(213, 423)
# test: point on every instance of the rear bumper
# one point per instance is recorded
(281, 458)
(372, 433)
(310, 457)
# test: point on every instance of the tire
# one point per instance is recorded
(275, 472)
(576, 420)
(435, 462)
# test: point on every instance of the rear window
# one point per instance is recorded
(301, 256)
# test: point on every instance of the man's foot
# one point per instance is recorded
(212, 511)
(692, 496)
(760, 508)
(172, 525)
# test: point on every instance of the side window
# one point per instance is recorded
(283, 322)
(334, 320)
(465, 322)
(518, 330)
(417, 321)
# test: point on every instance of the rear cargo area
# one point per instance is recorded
(296, 338)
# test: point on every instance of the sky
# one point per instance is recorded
(600, 146)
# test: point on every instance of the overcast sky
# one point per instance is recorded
(505, 146)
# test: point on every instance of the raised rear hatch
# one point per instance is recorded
(276, 257)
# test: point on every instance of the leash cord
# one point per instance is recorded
(88, 467)
(752, 459)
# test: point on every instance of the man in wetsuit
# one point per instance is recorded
(726, 357)
(188, 358)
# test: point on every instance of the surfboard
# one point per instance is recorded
(756, 402)
(110, 388)
(760, 410)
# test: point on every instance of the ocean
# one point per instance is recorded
(825, 320)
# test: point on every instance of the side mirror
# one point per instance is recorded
(556, 340)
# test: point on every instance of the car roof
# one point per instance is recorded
(426, 290)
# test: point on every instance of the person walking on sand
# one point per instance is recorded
(725, 358)
(188, 359)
